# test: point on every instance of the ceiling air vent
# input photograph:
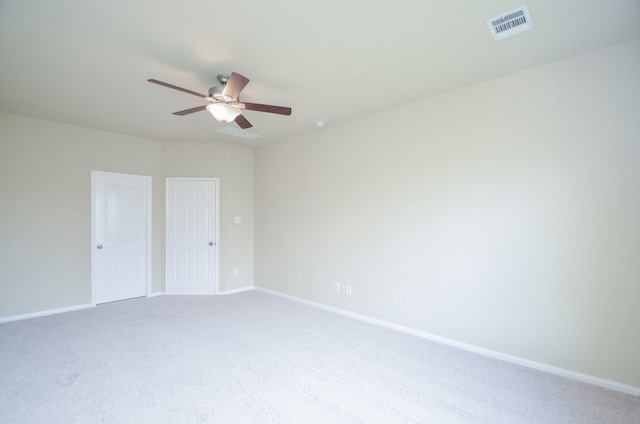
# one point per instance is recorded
(237, 132)
(510, 23)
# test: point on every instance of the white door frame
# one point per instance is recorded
(148, 180)
(216, 254)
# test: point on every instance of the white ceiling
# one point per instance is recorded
(86, 62)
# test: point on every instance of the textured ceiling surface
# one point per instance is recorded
(86, 63)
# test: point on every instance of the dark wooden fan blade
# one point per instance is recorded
(242, 122)
(280, 110)
(235, 85)
(175, 87)
(188, 111)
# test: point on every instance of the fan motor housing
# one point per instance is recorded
(218, 94)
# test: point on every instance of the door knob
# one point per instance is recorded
(210, 243)
(99, 246)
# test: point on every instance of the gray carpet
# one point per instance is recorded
(257, 358)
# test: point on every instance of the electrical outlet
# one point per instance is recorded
(337, 287)
(236, 272)
(347, 290)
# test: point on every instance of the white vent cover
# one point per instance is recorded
(510, 23)
(237, 132)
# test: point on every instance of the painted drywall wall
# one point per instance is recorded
(45, 221)
(45, 207)
(505, 215)
(234, 165)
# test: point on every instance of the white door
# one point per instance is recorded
(120, 255)
(192, 236)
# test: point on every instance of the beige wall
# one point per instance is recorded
(45, 177)
(505, 215)
(45, 206)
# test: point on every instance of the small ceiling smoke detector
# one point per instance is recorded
(510, 23)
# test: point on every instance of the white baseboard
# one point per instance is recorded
(585, 378)
(90, 305)
(240, 290)
(221, 293)
(45, 313)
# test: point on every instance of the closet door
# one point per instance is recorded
(120, 251)
(192, 236)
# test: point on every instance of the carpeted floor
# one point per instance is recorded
(257, 358)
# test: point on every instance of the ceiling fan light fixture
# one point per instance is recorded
(224, 105)
(223, 112)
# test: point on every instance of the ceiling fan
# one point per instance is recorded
(224, 103)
